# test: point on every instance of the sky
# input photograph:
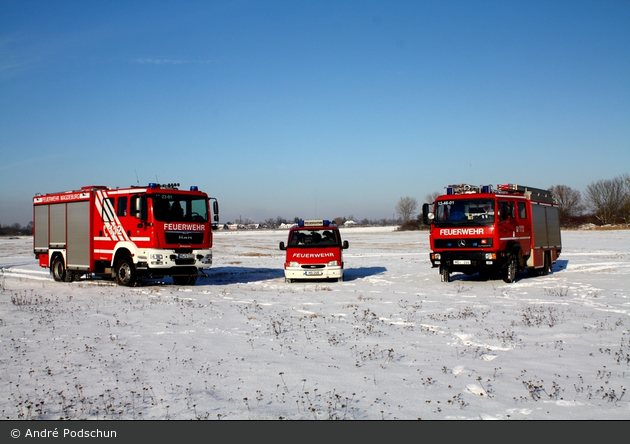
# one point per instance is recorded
(310, 109)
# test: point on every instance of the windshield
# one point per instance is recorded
(179, 208)
(314, 238)
(464, 212)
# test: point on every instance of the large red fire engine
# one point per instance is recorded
(125, 233)
(476, 229)
(314, 251)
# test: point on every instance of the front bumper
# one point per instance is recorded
(467, 260)
(162, 259)
(325, 272)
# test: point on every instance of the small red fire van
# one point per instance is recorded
(314, 251)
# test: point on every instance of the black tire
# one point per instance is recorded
(185, 280)
(510, 270)
(126, 272)
(445, 274)
(58, 269)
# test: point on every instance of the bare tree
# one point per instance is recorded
(569, 202)
(625, 206)
(406, 207)
(606, 199)
(430, 198)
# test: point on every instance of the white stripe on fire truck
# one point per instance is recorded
(111, 214)
(512, 238)
(135, 239)
(134, 191)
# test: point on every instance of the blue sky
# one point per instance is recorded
(310, 108)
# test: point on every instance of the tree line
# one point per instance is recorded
(16, 229)
(604, 202)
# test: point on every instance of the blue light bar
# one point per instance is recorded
(194, 188)
(449, 190)
(300, 223)
(326, 223)
(152, 185)
(486, 189)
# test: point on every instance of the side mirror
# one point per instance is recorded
(139, 208)
(282, 247)
(345, 245)
(427, 215)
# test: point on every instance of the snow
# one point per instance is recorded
(390, 342)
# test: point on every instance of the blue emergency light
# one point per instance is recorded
(313, 223)
(153, 185)
(194, 188)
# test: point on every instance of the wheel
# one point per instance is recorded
(445, 274)
(58, 269)
(510, 271)
(125, 272)
(185, 280)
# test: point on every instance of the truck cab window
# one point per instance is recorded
(465, 211)
(314, 238)
(108, 209)
(121, 210)
(507, 210)
(522, 210)
(179, 208)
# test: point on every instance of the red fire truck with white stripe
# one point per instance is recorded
(125, 233)
(476, 229)
(314, 251)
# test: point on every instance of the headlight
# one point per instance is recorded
(491, 256)
(157, 257)
(333, 263)
(437, 256)
(294, 264)
(207, 259)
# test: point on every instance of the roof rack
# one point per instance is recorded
(530, 192)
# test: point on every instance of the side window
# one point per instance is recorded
(522, 211)
(108, 209)
(122, 206)
(507, 210)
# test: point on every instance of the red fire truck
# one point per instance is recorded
(314, 251)
(476, 229)
(125, 233)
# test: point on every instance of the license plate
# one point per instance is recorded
(313, 273)
(461, 262)
(186, 256)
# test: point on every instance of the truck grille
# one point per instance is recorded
(463, 243)
(183, 237)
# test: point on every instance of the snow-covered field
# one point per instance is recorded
(391, 342)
